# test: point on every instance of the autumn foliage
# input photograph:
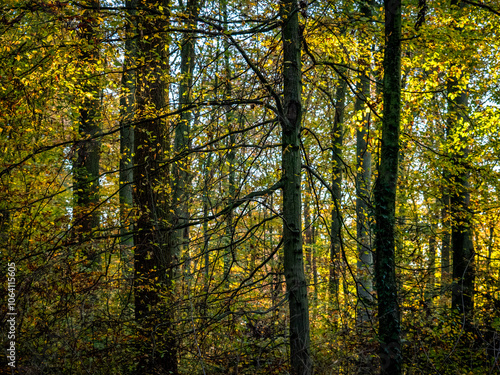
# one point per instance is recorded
(193, 187)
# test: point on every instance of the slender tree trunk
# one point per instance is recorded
(363, 185)
(314, 265)
(490, 247)
(301, 363)
(308, 230)
(336, 231)
(206, 235)
(276, 264)
(363, 179)
(153, 259)
(314, 270)
(385, 197)
(446, 239)
(180, 174)
(231, 156)
(461, 233)
(230, 255)
(86, 164)
(461, 217)
(127, 108)
(309, 242)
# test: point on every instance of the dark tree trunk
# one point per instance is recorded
(385, 197)
(301, 363)
(231, 156)
(363, 212)
(180, 175)
(127, 108)
(153, 259)
(461, 231)
(206, 234)
(308, 230)
(462, 248)
(336, 230)
(363, 185)
(446, 240)
(86, 164)
(309, 245)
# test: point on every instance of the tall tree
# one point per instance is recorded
(461, 231)
(446, 237)
(206, 234)
(291, 167)
(231, 156)
(336, 231)
(310, 243)
(127, 108)
(385, 196)
(180, 175)
(308, 229)
(86, 164)
(363, 233)
(461, 227)
(363, 212)
(153, 258)
(363, 186)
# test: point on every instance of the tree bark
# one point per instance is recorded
(461, 234)
(231, 156)
(385, 197)
(336, 230)
(301, 363)
(206, 234)
(309, 248)
(446, 239)
(180, 174)
(461, 217)
(86, 164)
(308, 230)
(127, 108)
(363, 212)
(153, 258)
(363, 186)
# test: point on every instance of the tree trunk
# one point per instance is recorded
(308, 230)
(153, 259)
(314, 270)
(461, 233)
(231, 156)
(385, 197)
(86, 165)
(206, 234)
(127, 108)
(180, 174)
(363, 186)
(309, 242)
(446, 239)
(462, 298)
(336, 230)
(363, 180)
(301, 363)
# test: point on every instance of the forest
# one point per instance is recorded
(250, 187)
